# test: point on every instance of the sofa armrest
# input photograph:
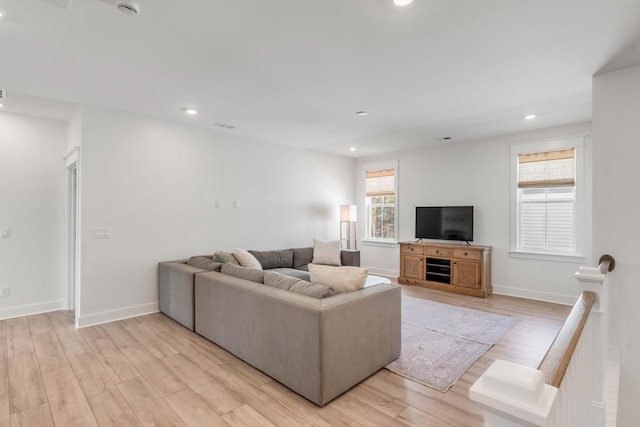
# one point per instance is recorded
(350, 257)
(175, 290)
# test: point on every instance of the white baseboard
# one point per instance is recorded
(28, 310)
(119, 314)
(382, 272)
(535, 295)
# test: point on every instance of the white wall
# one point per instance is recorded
(616, 219)
(32, 205)
(474, 173)
(155, 184)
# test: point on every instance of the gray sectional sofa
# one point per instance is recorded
(318, 347)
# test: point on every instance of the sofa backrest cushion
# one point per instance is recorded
(298, 286)
(341, 279)
(326, 252)
(246, 259)
(302, 257)
(274, 259)
(243, 272)
(223, 257)
(205, 262)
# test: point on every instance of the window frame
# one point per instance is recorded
(579, 215)
(367, 239)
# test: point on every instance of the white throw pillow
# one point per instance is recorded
(326, 252)
(341, 279)
(246, 259)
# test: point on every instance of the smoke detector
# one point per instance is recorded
(128, 7)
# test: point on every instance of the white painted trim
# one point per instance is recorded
(535, 295)
(573, 259)
(30, 309)
(119, 314)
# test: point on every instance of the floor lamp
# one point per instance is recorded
(348, 217)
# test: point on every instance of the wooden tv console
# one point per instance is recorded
(461, 269)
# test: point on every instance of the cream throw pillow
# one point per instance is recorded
(326, 252)
(246, 259)
(341, 279)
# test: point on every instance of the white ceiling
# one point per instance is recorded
(294, 72)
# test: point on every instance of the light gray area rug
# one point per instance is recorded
(440, 341)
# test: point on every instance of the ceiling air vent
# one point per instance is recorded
(224, 125)
(3, 94)
(128, 7)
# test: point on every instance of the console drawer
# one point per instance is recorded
(441, 252)
(467, 254)
(413, 249)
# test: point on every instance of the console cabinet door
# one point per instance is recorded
(467, 274)
(412, 267)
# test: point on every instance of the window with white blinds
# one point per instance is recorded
(547, 219)
(381, 203)
(546, 202)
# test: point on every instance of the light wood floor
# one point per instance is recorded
(151, 371)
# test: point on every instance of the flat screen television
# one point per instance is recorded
(444, 223)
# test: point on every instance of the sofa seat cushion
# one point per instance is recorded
(299, 274)
(205, 262)
(298, 286)
(243, 272)
(341, 279)
(274, 259)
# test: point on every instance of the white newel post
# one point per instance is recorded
(592, 279)
(513, 395)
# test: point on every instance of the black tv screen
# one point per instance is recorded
(444, 223)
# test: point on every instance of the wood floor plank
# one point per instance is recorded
(4, 373)
(5, 411)
(245, 390)
(107, 403)
(113, 360)
(154, 343)
(49, 351)
(39, 323)
(378, 400)
(245, 416)
(158, 375)
(18, 337)
(69, 406)
(81, 358)
(324, 416)
(416, 417)
(26, 389)
(194, 411)
(3, 337)
(92, 333)
(63, 324)
(147, 404)
(201, 383)
(121, 338)
(363, 413)
(37, 416)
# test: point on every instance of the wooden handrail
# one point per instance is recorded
(555, 362)
(607, 264)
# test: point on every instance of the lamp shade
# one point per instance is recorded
(348, 213)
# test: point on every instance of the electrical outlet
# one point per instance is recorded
(101, 233)
(5, 292)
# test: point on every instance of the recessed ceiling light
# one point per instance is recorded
(2, 13)
(530, 117)
(352, 148)
(1, 105)
(361, 113)
(190, 111)
(402, 3)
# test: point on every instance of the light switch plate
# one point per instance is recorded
(101, 233)
(5, 233)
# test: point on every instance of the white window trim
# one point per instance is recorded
(578, 143)
(366, 240)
